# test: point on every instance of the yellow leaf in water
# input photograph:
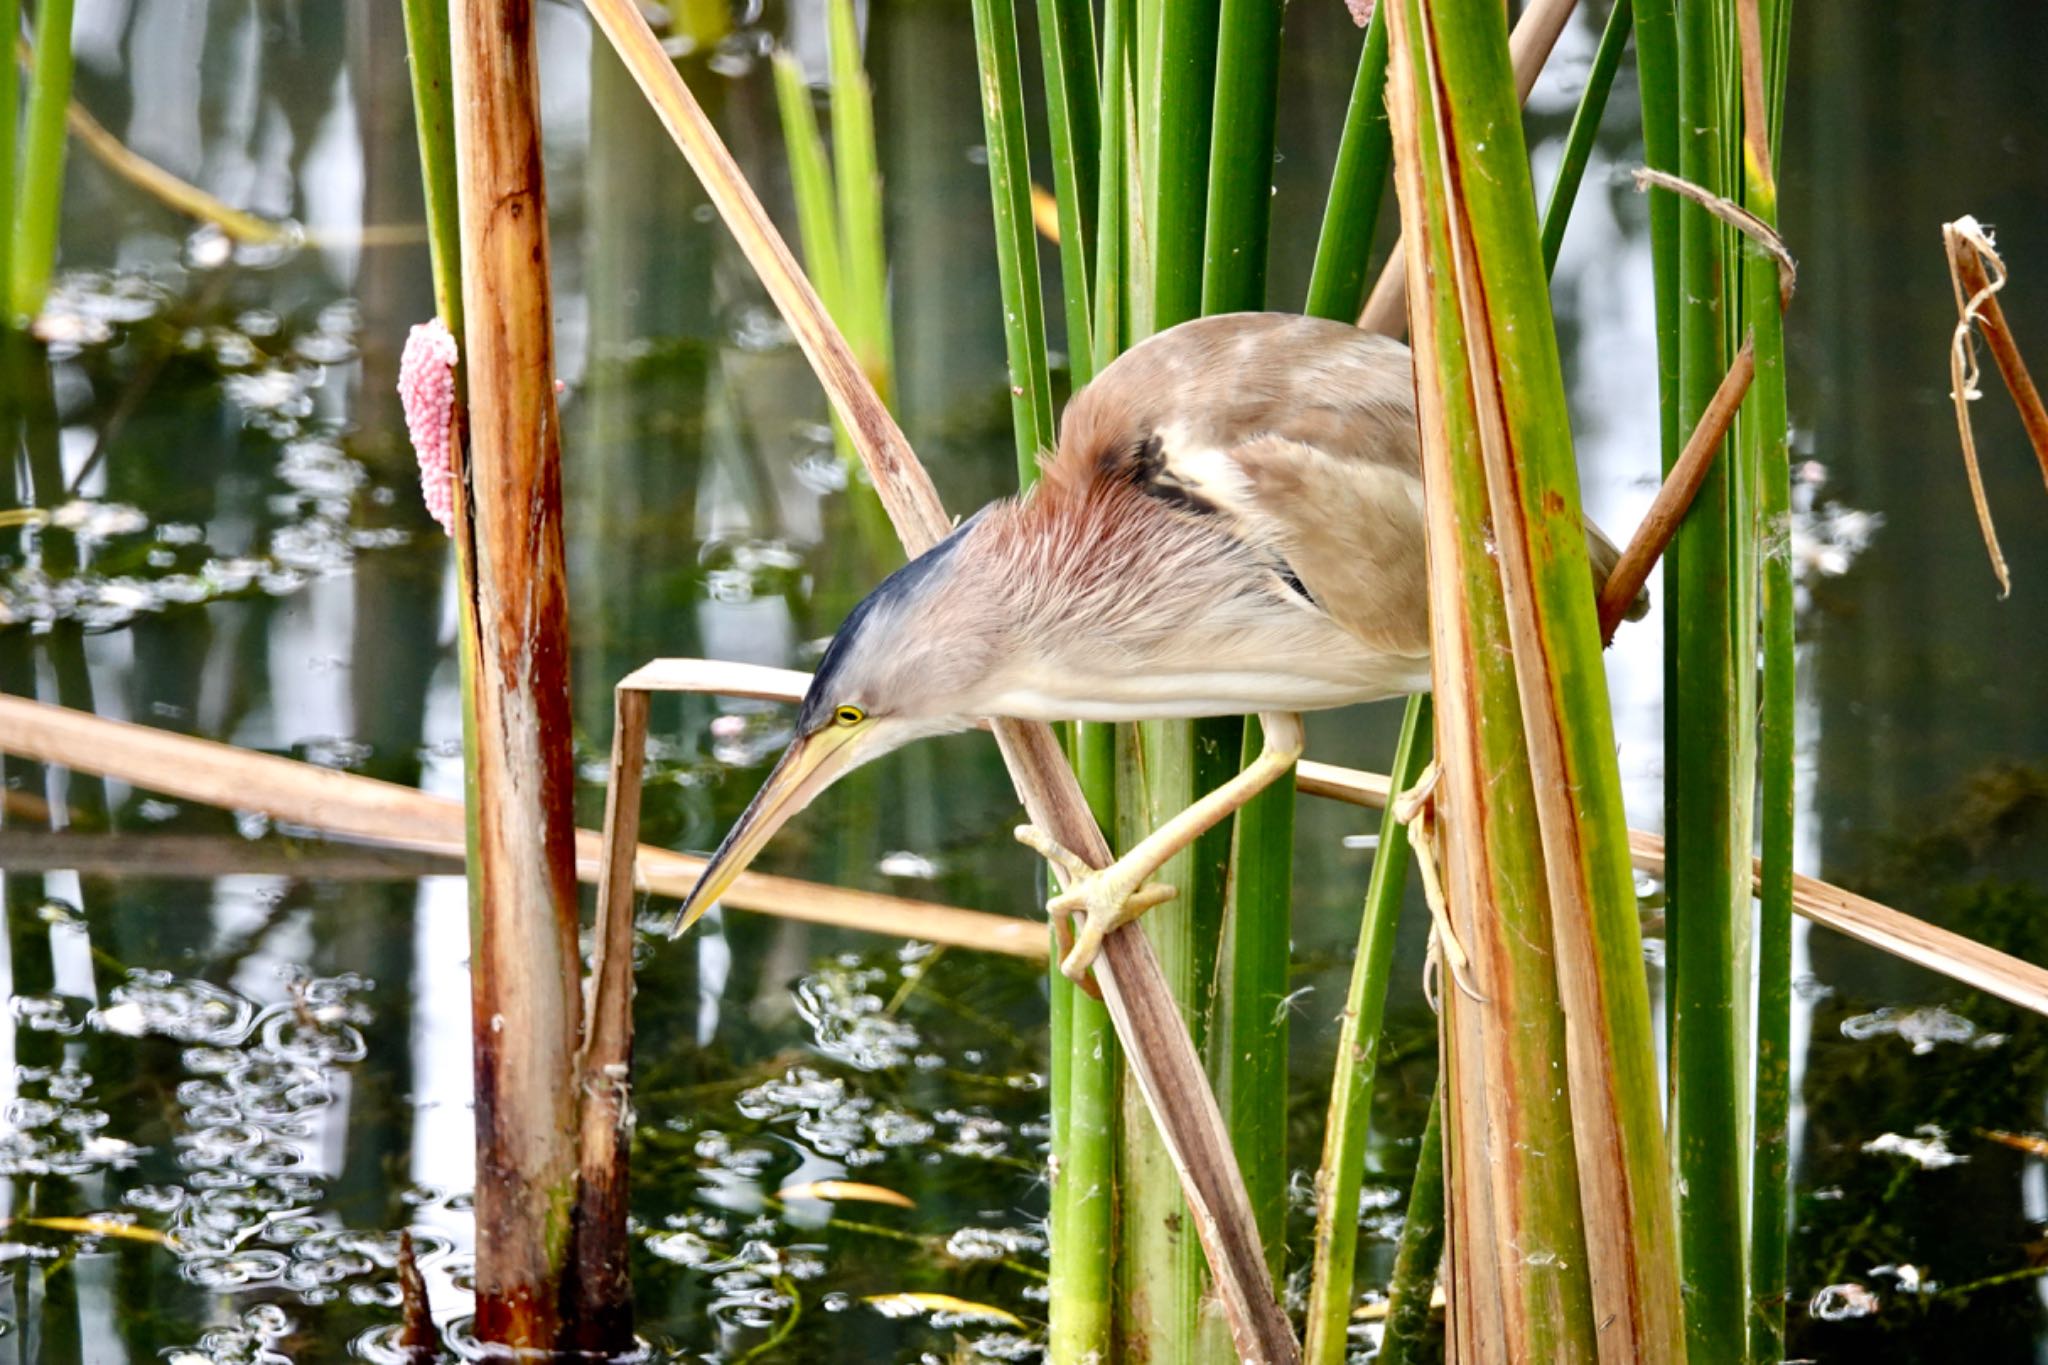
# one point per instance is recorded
(942, 1306)
(1045, 214)
(101, 1227)
(2024, 1142)
(850, 1190)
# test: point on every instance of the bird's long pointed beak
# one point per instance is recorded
(810, 764)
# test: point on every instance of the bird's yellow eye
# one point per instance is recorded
(849, 715)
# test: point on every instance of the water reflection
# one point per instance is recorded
(246, 1078)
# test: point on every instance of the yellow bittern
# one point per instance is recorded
(1232, 524)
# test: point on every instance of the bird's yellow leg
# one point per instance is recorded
(1415, 810)
(1117, 894)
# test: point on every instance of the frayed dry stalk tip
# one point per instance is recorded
(1977, 273)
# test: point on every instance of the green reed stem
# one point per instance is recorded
(1337, 282)
(1707, 729)
(1241, 156)
(39, 203)
(1113, 230)
(10, 139)
(433, 113)
(1086, 1078)
(428, 52)
(810, 185)
(1358, 1043)
(1252, 1025)
(1009, 179)
(858, 179)
(1762, 424)
(1656, 44)
(1421, 1248)
(1086, 1073)
(1164, 765)
(1770, 1169)
(1578, 143)
(1087, 1069)
(1066, 33)
(1176, 118)
(1248, 1052)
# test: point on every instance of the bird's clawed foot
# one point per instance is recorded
(1105, 899)
(1415, 809)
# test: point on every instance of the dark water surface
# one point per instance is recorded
(244, 1055)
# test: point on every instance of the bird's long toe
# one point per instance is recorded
(1103, 903)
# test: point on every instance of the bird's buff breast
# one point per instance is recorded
(1189, 693)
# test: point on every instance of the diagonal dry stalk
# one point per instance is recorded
(383, 815)
(370, 811)
(1675, 495)
(1977, 273)
(1160, 1053)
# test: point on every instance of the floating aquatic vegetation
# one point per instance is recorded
(1923, 1026)
(1840, 1302)
(1927, 1148)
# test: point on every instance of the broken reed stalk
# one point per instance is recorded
(1977, 273)
(1161, 1055)
(418, 1342)
(1536, 32)
(524, 913)
(375, 812)
(604, 1060)
(1566, 1251)
(1675, 495)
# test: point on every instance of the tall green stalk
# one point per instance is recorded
(1421, 1247)
(1175, 103)
(858, 179)
(839, 221)
(1066, 33)
(1337, 282)
(40, 201)
(1709, 727)
(1164, 765)
(1248, 1033)
(1241, 156)
(1578, 143)
(1762, 427)
(433, 113)
(10, 138)
(1656, 44)
(1358, 1043)
(811, 188)
(1114, 185)
(1086, 1074)
(1009, 178)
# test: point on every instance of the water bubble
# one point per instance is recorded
(238, 1270)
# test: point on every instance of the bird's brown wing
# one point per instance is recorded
(1297, 435)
